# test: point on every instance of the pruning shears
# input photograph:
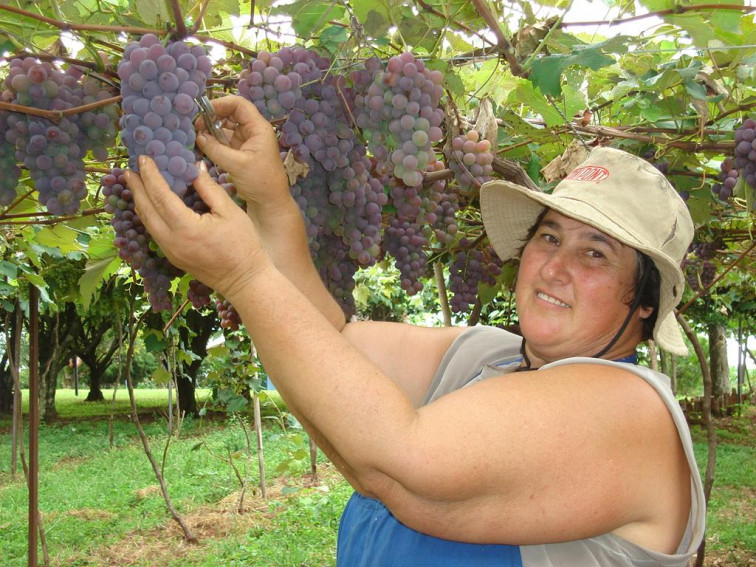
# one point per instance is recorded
(214, 125)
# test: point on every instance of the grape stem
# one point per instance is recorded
(460, 25)
(505, 48)
(178, 19)
(55, 220)
(176, 314)
(726, 146)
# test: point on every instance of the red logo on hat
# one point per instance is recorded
(593, 173)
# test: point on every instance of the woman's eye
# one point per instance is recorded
(550, 238)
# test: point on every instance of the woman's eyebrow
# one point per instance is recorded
(600, 237)
(592, 234)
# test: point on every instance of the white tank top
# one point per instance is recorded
(481, 352)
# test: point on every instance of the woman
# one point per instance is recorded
(457, 456)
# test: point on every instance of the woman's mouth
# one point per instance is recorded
(552, 300)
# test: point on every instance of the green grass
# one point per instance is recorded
(71, 406)
(93, 496)
(101, 505)
(731, 515)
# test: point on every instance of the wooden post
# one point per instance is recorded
(33, 480)
(258, 432)
(15, 364)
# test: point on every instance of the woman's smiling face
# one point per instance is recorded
(573, 289)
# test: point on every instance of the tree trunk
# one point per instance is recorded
(12, 327)
(718, 366)
(6, 386)
(48, 384)
(56, 337)
(195, 335)
(95, 393)
(187, 400)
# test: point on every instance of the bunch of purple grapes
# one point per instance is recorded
(471, 160)
(726, 180)
(745, 150)
(134, 243)
(198, 294)
(446, 198)
(132, 239)
(699, 269)
(275, 81)
(699, 273)
(159, 85)
(97, 125)
(340, 199)
(398, 110)
(11, 171)
(745, 153)
(54, 151)
(407, 242)
(229, 317)
(472, 266)
(706, 250)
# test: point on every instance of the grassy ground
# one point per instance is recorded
(102, 506)
(731, 517)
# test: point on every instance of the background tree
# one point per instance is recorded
(97, 341)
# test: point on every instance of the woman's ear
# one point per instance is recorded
(645, 312)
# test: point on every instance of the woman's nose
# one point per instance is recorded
(555, 267)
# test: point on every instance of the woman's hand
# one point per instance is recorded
(252, 158)
(221, 248)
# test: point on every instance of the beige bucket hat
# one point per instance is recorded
(621, 195)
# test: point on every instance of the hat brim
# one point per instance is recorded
(510, 210)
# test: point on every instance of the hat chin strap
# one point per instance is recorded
(633, 308)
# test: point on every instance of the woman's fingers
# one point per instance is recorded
(160, 209)
(238, 110)
(214, 196)
(220, 153)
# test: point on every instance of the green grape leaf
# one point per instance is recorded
(58, 236)
(237, 403)
(375, 17)
(95, 272)
(547, 71)
(218, 350)
(161, 375)
(186, 356)
(376, 24)
(37, 281)
(8, 269)
(308, 17)
(153, 13)
(700, 209)
(527, 95)
(696, 90)
(487, 293)
(332, 37)
(154, 342)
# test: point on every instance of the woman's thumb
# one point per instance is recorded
(214, 196)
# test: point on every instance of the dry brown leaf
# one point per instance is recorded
(294, 169)
(560, 166)
(486, 124)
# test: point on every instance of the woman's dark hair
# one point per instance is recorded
(647, 274)
(647, 283)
